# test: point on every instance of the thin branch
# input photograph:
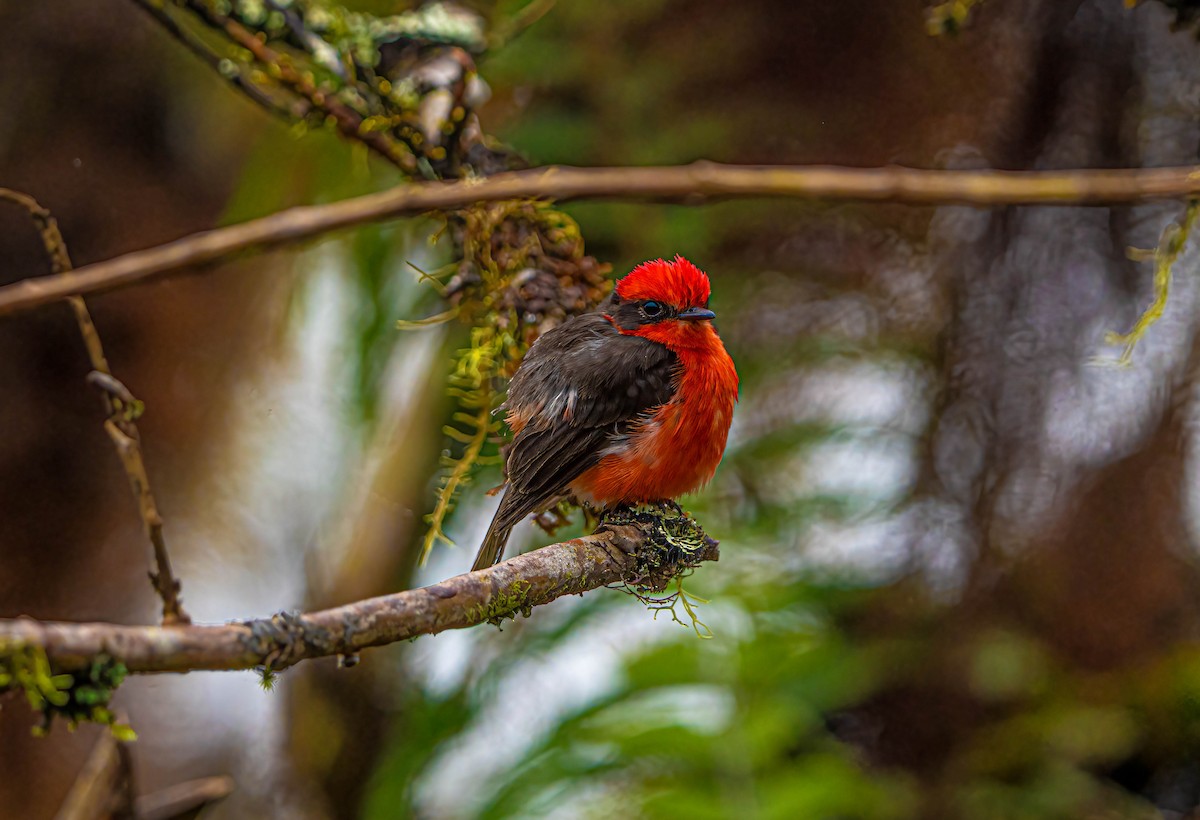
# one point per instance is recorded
(104, 787)
(695, 184)
(223, 67)
(119, 406)
(104, 790)
(612, 555)
(183, 799)
(349, 122)
(516, 25)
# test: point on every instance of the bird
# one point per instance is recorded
(628, 404)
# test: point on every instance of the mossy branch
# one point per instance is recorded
(615, 554)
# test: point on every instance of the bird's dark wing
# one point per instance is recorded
(579, 388)
(581, 385)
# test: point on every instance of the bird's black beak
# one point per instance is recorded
(695, 314)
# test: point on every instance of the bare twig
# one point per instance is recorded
(516, 585)
(516, 25)
(183, 800)
(104, 788)
(694, 184)
(119, 405)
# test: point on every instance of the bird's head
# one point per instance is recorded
(666, 302)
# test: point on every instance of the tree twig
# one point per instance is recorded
(119, 406)
(610, 556)
(183, 800)
(694, 184)
(349, 122)
(104, 788)
(222, 66)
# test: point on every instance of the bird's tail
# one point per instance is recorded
(494, 541)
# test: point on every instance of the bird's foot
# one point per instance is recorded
(670, 541)
(617, 514)
(647, 512)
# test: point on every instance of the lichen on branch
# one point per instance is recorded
(403, 85)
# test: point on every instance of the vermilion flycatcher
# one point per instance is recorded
(626, 405)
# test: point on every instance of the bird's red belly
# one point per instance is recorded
(672, 453)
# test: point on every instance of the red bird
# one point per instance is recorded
(626, 405)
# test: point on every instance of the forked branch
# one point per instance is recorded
(120, 410)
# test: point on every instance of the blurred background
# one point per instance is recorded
(959, 570)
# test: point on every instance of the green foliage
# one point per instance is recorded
(473, 386)
(672, 602)
(429, 722)
(268, 678)
(724, 728)
(78, 696)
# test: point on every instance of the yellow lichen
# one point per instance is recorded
(1171, 243)
(506, 604)
(949, 17)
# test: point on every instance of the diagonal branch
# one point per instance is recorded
(119, 406)
(613, 555)
(279, 66)
(223, 67)
(695, 184)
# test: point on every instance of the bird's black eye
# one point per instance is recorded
(653, 309)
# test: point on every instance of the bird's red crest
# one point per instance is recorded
(678, 283)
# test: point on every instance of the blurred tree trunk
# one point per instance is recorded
(1047, 454)
(1055, 498)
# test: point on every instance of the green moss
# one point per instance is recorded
(79, 696)
(267, 678)
(504, 606)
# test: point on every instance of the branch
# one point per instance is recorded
(183, 800)
(104, 787)
(349, 122)
(695, 184)
(613, 555)
(120, 407)
(223, 67)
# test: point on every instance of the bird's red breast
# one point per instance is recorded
(676, 449)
